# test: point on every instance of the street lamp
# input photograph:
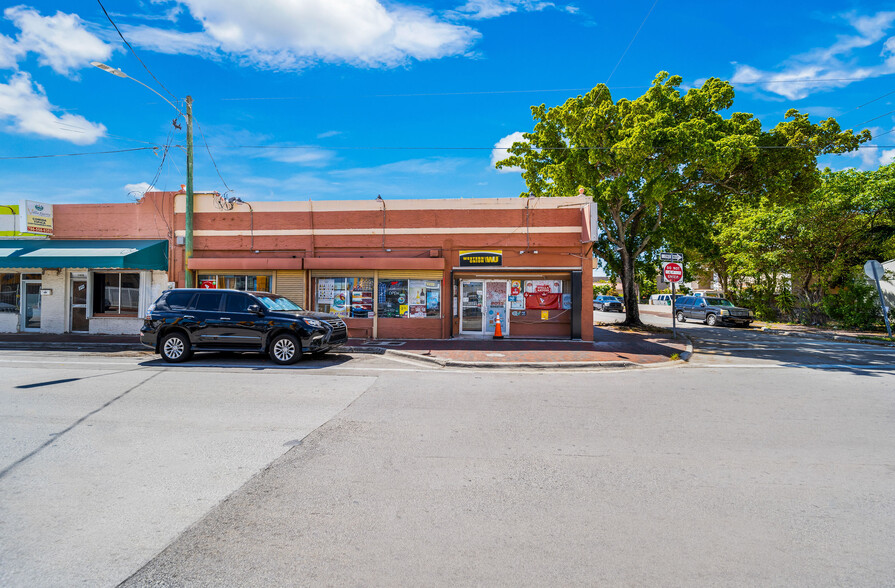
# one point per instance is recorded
(188, 116)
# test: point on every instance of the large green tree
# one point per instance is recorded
(664, 157)
(817, 240)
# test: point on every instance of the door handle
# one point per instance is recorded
(188, 316)
(225, 318)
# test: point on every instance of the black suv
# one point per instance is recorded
(712, 311)
(186, 320)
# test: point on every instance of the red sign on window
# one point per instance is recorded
(208, 284)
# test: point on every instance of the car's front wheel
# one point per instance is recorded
(680, 317)
(711, 320)
(284, 349)
(175, 348)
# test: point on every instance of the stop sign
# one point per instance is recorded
(673, 272)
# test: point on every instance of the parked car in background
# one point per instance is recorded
(193, 319)
(662, 299)
(607, 303)
(712, 311)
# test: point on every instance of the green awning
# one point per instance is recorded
(106, 254)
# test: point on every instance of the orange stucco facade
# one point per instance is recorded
(306, 249)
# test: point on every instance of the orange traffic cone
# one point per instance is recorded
(498, 333)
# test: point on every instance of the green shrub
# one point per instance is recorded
(855, 305)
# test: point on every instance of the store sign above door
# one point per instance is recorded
(481, 258)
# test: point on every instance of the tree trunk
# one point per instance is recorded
(629, 291)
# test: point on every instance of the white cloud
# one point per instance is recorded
(9, 53)
(171, 42)
(25, 109)
(328, 134)
(295, 34)
(481, 9)
(887, 157)
(500, 152)
(826, 68)
(61, 41)
(138, 189)
(306, 155)
(423, 166)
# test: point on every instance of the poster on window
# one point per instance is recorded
(326, 288)
(433, 301)
(393, 299)
(547, 301)
(340, 303)
(417, 292)
(543, 286)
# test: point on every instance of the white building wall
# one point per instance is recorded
(9, 322)
(153, 283)
(53, 306)
(115, 326)
(887, 283)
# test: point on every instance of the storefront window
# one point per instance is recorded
(543, 294)
(345, 297)
(409, 298)
(245, 283)
(116, 293)
(9, 292)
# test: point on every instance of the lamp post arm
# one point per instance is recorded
(157, 94)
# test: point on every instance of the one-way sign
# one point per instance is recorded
(678, 257)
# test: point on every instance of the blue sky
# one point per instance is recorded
(347, 99)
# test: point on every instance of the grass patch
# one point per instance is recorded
(627, 329)
(873, 338)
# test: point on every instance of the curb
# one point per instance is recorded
(511, 364)
(70, 345)
(685, 357)
(375, 350)
(827, 336)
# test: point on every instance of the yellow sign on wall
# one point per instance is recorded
(38, 217)
(545, 315)
(481, 258)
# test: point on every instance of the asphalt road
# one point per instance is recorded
(754, 348)
(760, 463)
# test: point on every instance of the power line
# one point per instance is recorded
(210, 155)
(875, 99)
(134, 52)
(632, 41)
(537, 91)
(77, 154)
(875, 118)
(437, 148)
(376, 148)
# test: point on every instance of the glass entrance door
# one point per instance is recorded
(472, 294)
(30, 306)
(496, 306)
(79, 322)
(481, 302)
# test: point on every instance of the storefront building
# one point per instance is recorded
(83, 286)
(392, 269)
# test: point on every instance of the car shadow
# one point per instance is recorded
(255, 361)
(790, 351)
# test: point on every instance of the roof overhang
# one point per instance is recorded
(90, 254)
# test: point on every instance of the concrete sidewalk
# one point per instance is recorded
(794, 330)
(610, 348)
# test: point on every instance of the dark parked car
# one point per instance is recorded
(608, 303)
(186, 320)
(712, 311)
